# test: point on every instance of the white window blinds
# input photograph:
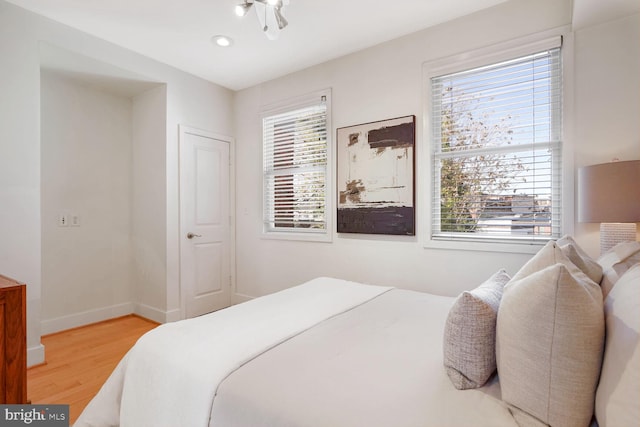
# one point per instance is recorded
(497, 150)
(295, 169)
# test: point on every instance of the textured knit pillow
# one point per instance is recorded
(580, 258)
(618, 393)
(549, 339)
(616, 262)
(470, 334)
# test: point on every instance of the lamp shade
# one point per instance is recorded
(609, 192)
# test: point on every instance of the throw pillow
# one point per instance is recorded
(470, 332)
(616, 262)
(618, 393)
(549, 339)
(580, 258)
(549, 255)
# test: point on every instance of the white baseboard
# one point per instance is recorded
(35, 355)
(63, 323)
(240, 298)
(173, 316)
(155, 314)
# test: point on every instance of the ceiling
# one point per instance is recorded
(179, 33)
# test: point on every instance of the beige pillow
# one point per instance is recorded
(549, 339)
(618, 394)
(616, 262)
(549, 255)
(580, 258)
(470, 334)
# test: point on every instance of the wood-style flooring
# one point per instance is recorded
(79, 361)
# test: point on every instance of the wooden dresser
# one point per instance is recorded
(13, 341)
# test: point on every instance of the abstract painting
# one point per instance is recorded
(375, 177)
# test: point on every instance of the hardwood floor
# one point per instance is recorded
(78, 361)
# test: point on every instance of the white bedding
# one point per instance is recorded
(325, 353)
(379, 365)
(170, 377)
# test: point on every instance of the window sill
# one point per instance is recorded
(297, 236)
(504, 247)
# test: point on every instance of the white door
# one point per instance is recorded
(205, 273)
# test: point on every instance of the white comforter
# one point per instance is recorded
(170, 377)
(326, 353)
(378, 365)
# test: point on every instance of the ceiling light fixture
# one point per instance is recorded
(270, 15)
(243, 8)
(222, 41)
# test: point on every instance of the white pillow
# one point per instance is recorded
(549, 339)
(549, 255)
(616, 262)
(618, 394)
(580, 258)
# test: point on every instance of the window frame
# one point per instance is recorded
(303, 234)
(502, 52)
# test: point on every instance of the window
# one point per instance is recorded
(496, 150)
(295, 169)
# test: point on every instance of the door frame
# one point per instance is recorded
(184, 130)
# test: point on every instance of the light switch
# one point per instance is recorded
(75, 220)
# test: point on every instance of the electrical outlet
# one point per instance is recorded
(63, 220)
(74, 220)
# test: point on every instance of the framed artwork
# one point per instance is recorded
(375, 177)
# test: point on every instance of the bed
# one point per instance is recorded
(331, 352)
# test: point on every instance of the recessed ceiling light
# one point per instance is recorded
(222, 41)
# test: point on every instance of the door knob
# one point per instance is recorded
(191, 235)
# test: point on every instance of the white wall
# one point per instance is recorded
(85, 171)
(190, 100)
(148, 203)
(20, 164)
(386, 81)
